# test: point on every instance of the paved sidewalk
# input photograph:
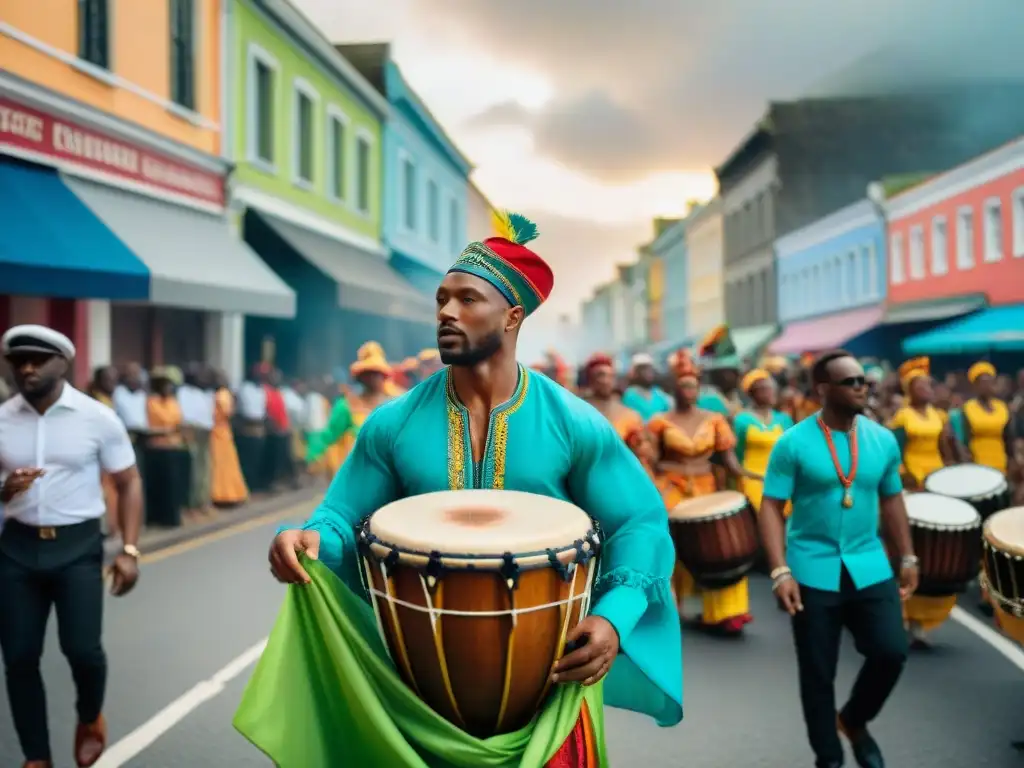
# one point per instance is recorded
(154, 539)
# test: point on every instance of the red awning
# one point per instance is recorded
(826, 332)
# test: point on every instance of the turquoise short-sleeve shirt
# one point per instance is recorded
(822, 535)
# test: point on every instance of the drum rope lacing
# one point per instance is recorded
(1014, 606)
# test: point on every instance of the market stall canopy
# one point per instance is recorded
(821, 333)
(195, 260)
(53, 245)
(933, 309)
(996, 329)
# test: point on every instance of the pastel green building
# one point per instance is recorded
(305, 132)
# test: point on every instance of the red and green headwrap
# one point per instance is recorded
(519, 274)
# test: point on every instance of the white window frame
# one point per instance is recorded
(335, 113)
(965, 259)
(302, 87)
(993, 251)
(403, 220)
(939, 256)
(916, 264)
(365, 137)
(1017, 217)
(256, 54)
(872, 254)
(897, 267)
(435, 236)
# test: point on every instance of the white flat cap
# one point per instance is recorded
(641, 358)
(37, 339)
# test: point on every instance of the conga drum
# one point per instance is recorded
(715, 538)
(474, 592)
(983, 487)
(947, 540)
(1003, 575)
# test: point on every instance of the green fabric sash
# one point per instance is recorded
(325, 693)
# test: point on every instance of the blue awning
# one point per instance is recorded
(51, 244)
(661, 350)
(996, 329)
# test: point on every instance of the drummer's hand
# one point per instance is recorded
(590, 662)
(908, 582)
(284, 555)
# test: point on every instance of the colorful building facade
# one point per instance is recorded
(112, 113)
(706, 280)
(832, 281)
(956, 243)
(306, 138)
(671, 283)
(426, 177)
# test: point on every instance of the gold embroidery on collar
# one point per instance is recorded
(501, 433)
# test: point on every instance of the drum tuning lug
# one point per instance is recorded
(434, 569)
(391, 559)
(510, 570)
(558, 565)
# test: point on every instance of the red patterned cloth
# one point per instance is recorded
(580, 749)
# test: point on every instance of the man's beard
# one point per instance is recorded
(848, 409)
(472, 355)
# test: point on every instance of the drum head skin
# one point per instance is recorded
(1005, 531)
(712, 505)
(966, 481)
(933, 510)
(479, 522)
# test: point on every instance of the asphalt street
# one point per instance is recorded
(197, 610)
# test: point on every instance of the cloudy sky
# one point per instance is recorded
(594, 116)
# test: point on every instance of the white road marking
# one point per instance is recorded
(1003, 645)
(144, 736)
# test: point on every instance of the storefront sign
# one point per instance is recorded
(28, 130)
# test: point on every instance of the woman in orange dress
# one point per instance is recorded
(167, 459)
(599, 373)
(689, 439)
(227, 485)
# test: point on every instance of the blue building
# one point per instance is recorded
(426, 177)
(832, 283)
(668, 289)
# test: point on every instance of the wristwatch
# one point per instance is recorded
(132, 551)
(909, 561)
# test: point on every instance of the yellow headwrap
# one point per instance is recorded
(371, 349)
(978, 370)
(754, 376)
(912, 369)
(429, 354)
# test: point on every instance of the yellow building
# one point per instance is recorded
(705, 246)
(110, 129)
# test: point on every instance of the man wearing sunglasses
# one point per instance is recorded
(831, 569)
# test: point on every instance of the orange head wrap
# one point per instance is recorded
(684, 367)
(912, 369)
(752, 377)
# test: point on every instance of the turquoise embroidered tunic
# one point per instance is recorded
(543, 440)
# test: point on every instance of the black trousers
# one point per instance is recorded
(874, 616)
(38, 573)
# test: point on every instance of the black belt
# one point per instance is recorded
(52, 532)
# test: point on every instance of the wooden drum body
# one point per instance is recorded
(715, 537)
(1003, 561)
(983, 487)
(474, 592)
(947, 540)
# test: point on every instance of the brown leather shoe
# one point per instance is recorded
(90, 741)
(38, 764)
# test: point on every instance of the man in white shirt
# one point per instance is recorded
(251, 428)
(54, 442)
(130, 400)
(196, 401)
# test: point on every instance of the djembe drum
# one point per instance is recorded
(947, 540)
(715, 537)
(1003, 575)
(474, 592)
(983, 487)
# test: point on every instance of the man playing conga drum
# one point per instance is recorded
(484, 422)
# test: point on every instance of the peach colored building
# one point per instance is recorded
(110, 132)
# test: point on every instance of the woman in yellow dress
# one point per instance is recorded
(227, 485)
(921, 430)
(757, 430)
(348, 414)
(599, 373)
(982, 425)
(688, 440)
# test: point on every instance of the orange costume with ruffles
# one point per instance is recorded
(713, 435)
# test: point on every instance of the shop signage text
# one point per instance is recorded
(25, 128)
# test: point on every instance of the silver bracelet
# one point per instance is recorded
(778, 580)
(909, 561)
